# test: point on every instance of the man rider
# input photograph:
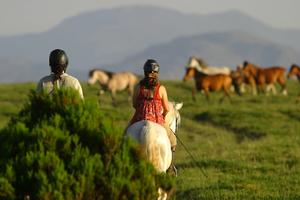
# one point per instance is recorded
(58, 62)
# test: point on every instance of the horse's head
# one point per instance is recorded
(193, 62)
(294, 70)
(239, 67)
(249, 69)
(190, 73)
(92, 78)
(197, 63)
(99, 75)
(173, 116)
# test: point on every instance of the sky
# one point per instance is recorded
(31, 16)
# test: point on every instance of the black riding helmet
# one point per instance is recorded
(151, 65)
(58, 61)
(151, 79)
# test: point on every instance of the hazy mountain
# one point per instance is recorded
(107, 37)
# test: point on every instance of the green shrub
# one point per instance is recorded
(59, 147)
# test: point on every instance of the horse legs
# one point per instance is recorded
(238, 87)
(129, 98)
(172, 170)
(253, 86)
(113, 97)
(261, 88)
(243, 88)
(281, 81)
(194, 91)
(162, 194)
(101, 92)
(226, 94)
(130, 92)
(284, 91)
(206, 94)
(271, 87)
(254, 90)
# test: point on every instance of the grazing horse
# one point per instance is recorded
(294, 71)
(154, 140)
(113, 82)
(199, 64)
(208, 83)
(266, 77)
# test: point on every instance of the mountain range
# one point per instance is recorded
(122, 38)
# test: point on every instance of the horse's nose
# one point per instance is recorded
(90, 82)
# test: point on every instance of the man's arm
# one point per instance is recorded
(39, 87)
(79, 89)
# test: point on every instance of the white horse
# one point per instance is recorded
(155, 141)
(200, 65)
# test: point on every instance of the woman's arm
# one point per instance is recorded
(165, 101)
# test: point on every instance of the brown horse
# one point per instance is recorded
(208, 83)
(265, 78)
(294, 71)
(201, 65)
(240, 81)
(113, 82)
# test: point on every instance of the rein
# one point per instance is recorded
(186, 149)
(192, 157)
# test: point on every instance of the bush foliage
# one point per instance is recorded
(59, 147)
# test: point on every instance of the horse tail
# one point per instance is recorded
(152, 148)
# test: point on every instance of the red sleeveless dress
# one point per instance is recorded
(149, 108)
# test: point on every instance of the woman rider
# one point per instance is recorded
(150, 100)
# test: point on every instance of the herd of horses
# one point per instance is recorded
(259, 79)
(207, 79)
(153, 137)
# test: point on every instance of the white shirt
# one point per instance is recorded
(46, 83)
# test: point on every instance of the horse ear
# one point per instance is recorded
(178, 106)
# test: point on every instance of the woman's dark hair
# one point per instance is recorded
(151, 69)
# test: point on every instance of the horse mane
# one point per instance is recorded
(248, 63)
(108, 73)
(245, 63)
(200, 73)
(201, 62)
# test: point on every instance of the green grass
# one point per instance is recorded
(12, 98)
(248, 148)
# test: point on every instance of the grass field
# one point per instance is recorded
(245, 149)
